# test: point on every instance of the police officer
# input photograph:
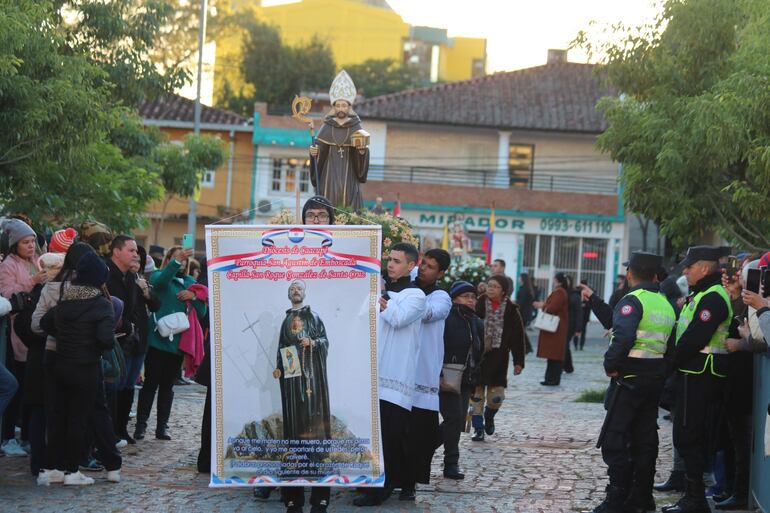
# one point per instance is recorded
(642, 325)
(700, 358)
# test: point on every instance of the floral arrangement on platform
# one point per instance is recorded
(472, 270)
(394, 229)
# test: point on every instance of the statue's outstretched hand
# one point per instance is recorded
(314, 151)
(277, 373)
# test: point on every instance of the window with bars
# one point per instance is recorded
(581, 258)
(521, 161)
(289, 173)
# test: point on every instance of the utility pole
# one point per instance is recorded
(191, 216)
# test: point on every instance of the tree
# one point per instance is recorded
(72, 146)
(181, 168)
(278, 72)
(375, 77)
(692, 125)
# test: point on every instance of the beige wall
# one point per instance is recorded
(425, 145)
(430, 145)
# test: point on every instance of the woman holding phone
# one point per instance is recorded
(163, 360)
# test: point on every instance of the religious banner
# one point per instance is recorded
(294, 312)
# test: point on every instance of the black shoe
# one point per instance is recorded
(140, 431)
(262, 493)
(719, 497)
(479, 436)
(732, 502)
(687, 505)
(489, 421)
(453, 472)
(318, 509)
(291, 508)
(373, 497)
(162, 433)
(674, 483)
(548, 384)
(613, 502)
(125, 436)
(407, 494)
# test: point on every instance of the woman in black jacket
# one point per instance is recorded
(463, 331)
(83, 323)
(503, 334)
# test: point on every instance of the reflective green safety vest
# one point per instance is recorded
(658, 320)
(717, 343)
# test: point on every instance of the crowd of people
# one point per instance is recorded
(683, 343)
(89, 311)
(92, 316)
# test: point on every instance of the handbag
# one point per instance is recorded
(171, 324)
(451, 377)
(546, 322)
(114, 364)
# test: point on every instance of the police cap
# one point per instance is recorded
(641, 261)
(698, 253)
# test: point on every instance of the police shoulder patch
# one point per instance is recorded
(705, 315)
(626, 310)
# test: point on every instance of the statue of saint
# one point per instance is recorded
(301, 370)
(340, 153)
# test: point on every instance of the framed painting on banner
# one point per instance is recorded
(294, 313)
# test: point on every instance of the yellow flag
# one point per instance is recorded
(445, 240)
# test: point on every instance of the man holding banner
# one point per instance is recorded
(401, 310)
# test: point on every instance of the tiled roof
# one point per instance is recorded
(172, 107)
(558, 97)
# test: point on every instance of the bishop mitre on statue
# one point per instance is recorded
(341, 149)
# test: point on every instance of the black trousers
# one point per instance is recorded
(80, 404)
(454, 409)
(54, 454)
(204, 453)
(422, 442)
(740, 428)
(697, 413)
(319, 495)
(553, 370)
(161, 369)
(630, 446)
(394, 424)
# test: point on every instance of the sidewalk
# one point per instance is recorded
(542, 459)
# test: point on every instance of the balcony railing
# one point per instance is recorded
(566, 181)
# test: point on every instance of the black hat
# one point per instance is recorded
(318, 202)
(642, 260)
(698, 253)
(91, 270)
(460, 287)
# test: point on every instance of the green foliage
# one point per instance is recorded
(181, 167)
(375, 77)
(119, 37)
(277, 71)
(590, 396)
(692, 127)
(72, 146)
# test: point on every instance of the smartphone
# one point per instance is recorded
(731, 267)
(753, 280)
(765, 280)
(187, 241)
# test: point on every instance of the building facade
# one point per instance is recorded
(225, 193)
(356, 31)
(520, 143)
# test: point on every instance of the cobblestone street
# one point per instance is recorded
(541, 459)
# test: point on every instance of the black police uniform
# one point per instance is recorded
(699, 396)
(630, 435)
